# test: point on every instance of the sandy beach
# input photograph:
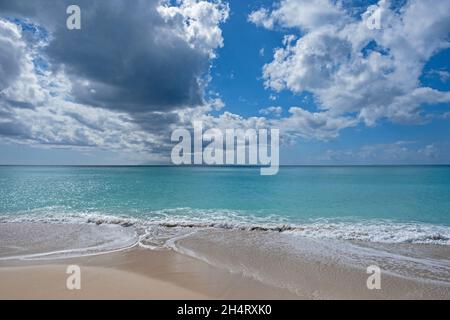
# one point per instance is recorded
(139, 273)
(48, 282)
(131, 274)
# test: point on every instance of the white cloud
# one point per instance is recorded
(351, 69)
(277, 111)
(262, 52)
(18, 81)
(304, 14)
(12, 52)
(312, 125)
(262, 18)
(398, 152)
(197, 22)
(430, 151)
(443, 75)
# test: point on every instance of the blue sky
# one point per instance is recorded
(241, 60)
(344, 94)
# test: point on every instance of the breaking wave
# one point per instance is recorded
(155, 228)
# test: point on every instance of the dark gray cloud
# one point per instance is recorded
(157, 122)
(16, 104)
(126, 57)
(10, 56)
(122, 82)
(14, 129)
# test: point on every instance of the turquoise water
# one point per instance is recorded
(297, 195)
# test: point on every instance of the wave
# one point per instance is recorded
(157, 227)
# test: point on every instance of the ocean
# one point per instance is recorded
(380, 204)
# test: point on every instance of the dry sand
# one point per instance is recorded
(132, 274)
(49, 282)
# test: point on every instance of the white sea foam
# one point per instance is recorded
(155, 228)
(377, 231)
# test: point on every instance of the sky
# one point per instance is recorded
(340, 92)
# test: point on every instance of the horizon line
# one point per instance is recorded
(223, 166)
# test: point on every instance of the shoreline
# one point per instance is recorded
(215, 264)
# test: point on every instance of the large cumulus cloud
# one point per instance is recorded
(119, 83)
(128, 55)
(352, 69)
